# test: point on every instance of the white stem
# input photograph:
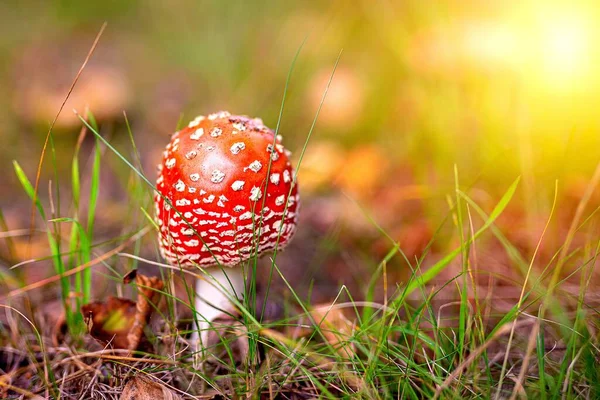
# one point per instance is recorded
(213, 298)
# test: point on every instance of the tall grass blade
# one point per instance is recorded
(438, 267)
(59, 266)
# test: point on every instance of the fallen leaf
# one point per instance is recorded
(227, 329)
(148, 294)
(104, 88)
(120, 322)
(324, 362)
(344, 103)
(336, 328)
(142, 388)
(321, 165)
(365, 170)
(110, 322)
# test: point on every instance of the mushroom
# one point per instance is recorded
(225, 194)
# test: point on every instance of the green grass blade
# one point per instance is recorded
(93, 201)
(59, 266)
(94, 190)
(24, 181)
(438, 267)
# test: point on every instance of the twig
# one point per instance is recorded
(107, 255)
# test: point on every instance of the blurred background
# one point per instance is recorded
(497, 89)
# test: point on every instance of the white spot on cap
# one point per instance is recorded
(246, 249)
(239, 125)
(188, 215)
(179, 186)
(286, 176)
(237, 147)
(182, 202)
(220, 114)
(238, 208)
(246, 215)
(255, 193)
(197, 134)
(216, 132)
(280, 200)
(191, 189)
(192, 243)
(191, 154)
(217, 176)
(209, 199)
(170, 163)
(222, 200)
(275, 178)
(195, 177)
(196, 121)
(237, 185)
(274, 154)
(255, 166)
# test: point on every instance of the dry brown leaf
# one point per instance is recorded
(26, 248)
(141, 388)
(336, 328)
(345, 99)
(365, 169)
(326, 363)
(111, 321)
(120, 322)
(148, 294)
(104, 88)
(321, 165)
(228, 342)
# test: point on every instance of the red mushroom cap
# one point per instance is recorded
(214, 173)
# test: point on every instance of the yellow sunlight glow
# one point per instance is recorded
(565, 46)
(551, 47)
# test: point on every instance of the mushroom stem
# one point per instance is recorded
(213, 298)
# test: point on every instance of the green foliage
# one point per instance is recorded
(57, 261)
